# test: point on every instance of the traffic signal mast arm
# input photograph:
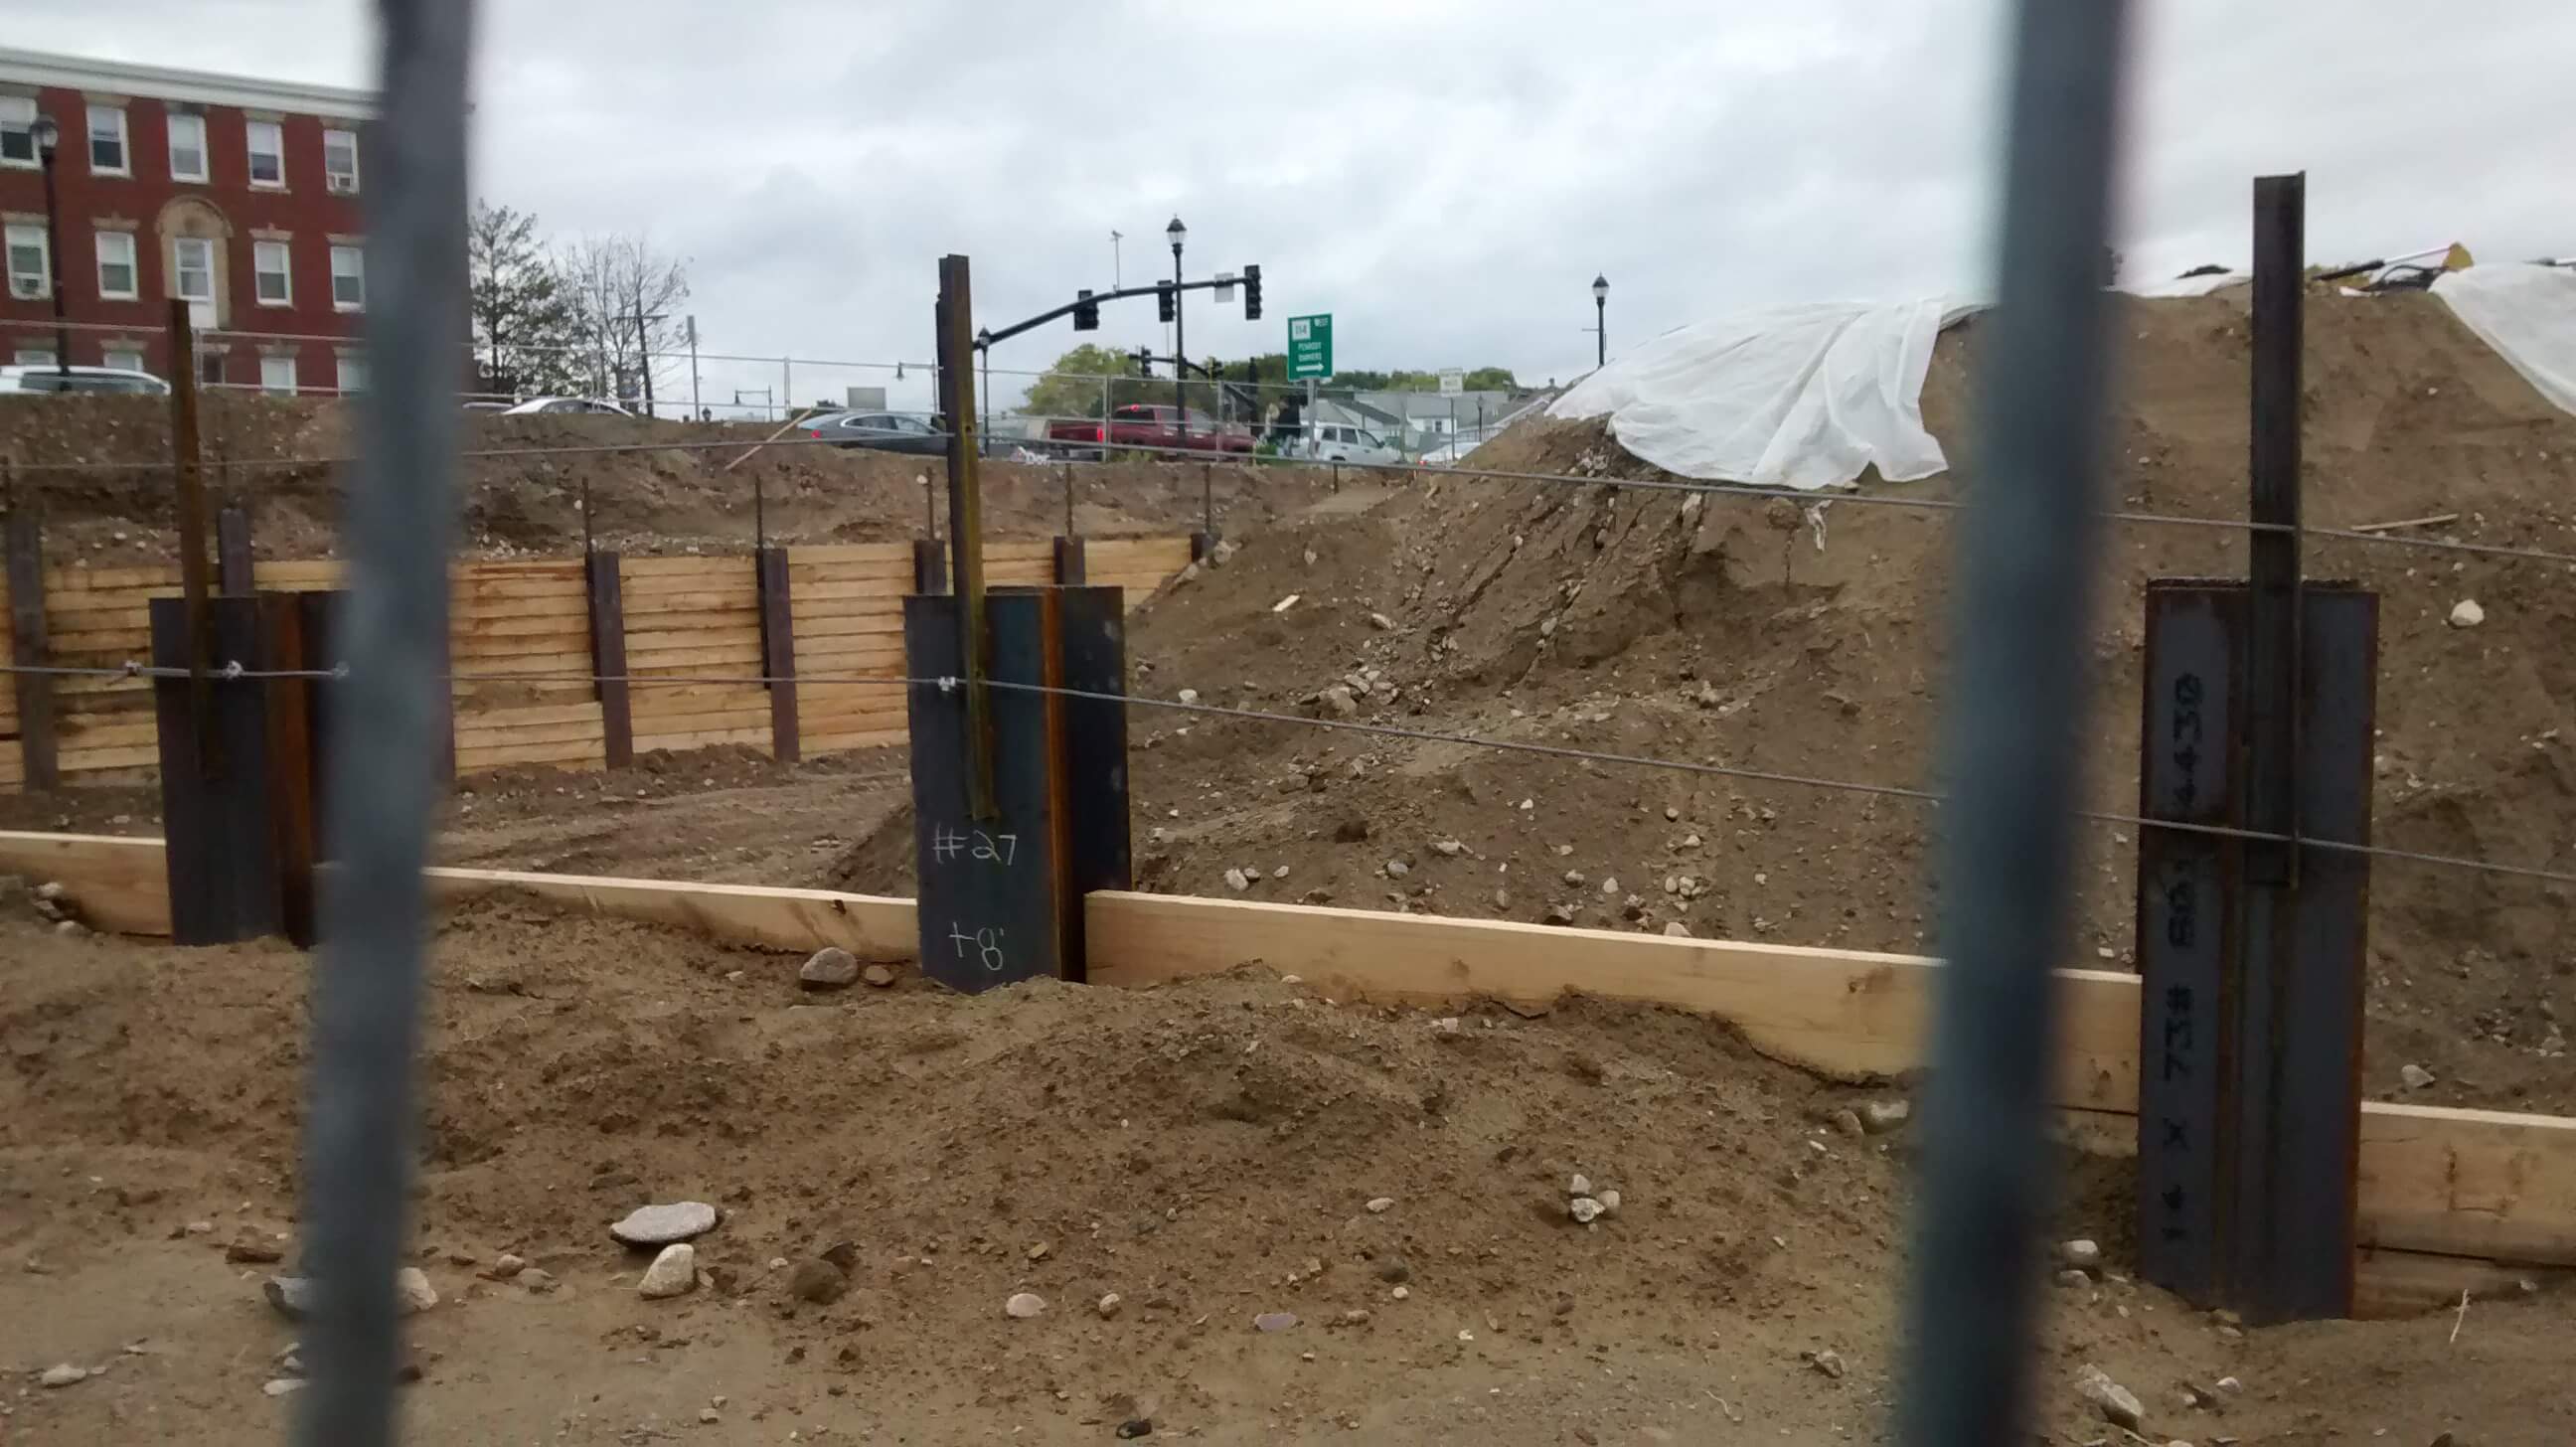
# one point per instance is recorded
(1003, 334)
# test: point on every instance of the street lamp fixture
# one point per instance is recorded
(1601, 318)
(1180, 341)
(47, 137)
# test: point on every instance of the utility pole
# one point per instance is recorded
(694, 408)
(1180, 346)
(644, 351)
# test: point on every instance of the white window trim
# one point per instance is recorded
(179, 269)
(133, 264)
(124, 140)
(33, 161)
(33, 357)
(250, 153)
(120, 356)
(360, 304)
(345, 362)
(285, 272)
(11, 238)
(271, 388)
(205, 159)
(330, 176)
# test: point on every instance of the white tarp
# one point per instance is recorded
(2525, 311)
(1797, 396)
(2201, 285)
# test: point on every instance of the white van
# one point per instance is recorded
(48, 378)
(1335, 442)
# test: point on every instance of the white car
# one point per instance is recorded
(92, 381)
(562, 405)
(1335, 442)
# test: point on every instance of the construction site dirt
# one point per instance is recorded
(1208, 1152)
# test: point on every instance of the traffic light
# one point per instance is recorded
(1163, 298)
(1086, 312)
(1252, 293)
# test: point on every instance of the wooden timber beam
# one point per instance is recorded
(2449, 1199)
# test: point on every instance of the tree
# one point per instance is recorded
(625, 299)
(520, 319)
(1070, 386)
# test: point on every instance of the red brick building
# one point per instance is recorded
(241, 195)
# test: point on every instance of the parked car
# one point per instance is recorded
(1146, 425)
(878, 432)
(110, 381)
(1338, 442)
(487, 406)
(559, 406)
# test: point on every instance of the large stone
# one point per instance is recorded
(673, 1273)
(63, 1375)
(2118, 1405)
(663, 1224)
(413, 1291)
(1024, 1305)
(819, 1282)
(830, 968)
(293, 1296)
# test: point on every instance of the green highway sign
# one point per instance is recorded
(1310, 346)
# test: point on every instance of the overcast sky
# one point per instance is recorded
(1444, 176)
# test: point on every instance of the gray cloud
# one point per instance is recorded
(1444, 176)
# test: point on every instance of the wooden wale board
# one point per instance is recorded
(2449, 1199)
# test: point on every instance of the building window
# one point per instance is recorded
(18, 131)
(340, 161)
(348, 279)
(353, 373)
(127, 359)
(34, 356)
(267, 153)
(108, 153)
(277, 376)
(31, 271)
(268, 264)
(193, 277)
(116, 265)
(210, 367)
(187, 147)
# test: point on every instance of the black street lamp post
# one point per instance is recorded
(48, 138)
(1180, 342)
(1601, 318)
(984, 347)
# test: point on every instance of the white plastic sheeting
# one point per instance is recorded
(1797, 396)
(2525, 311)
(2201, 285)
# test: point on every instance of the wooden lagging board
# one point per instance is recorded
(685, 617)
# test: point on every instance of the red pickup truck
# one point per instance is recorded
(1144, 425)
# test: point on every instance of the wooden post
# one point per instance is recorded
(607, 593)
(956, 318)
(234, 572)
(778, 654)
(288, 703)
(24, 544)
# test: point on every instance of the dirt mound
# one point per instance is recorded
(1808, 639)
(1209, 1152)
(649, 486)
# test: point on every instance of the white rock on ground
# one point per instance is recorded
(2119, 1406)
(673, 1273)
(1583, 1209)
(1581, 1185)
(281, 1386)
(2467, 614)
(1609, 1203)
(412, 1289)
(1024, 1304)
(63, 1375)
(1677, 930)
(1237, 880)
(1882, 1116)
(2080, 1252)
(1188, 695)
(1380, 1205)
(1341, 700)
(660, 1225)
(1109, 1305)
(830, 968)
(2416, 1076)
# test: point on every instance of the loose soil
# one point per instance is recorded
(98, 467)
(1743, 633)
(1207, 1152)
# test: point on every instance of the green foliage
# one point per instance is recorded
(1071, 386)
(521, 317)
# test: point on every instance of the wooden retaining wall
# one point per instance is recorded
(684, 617)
